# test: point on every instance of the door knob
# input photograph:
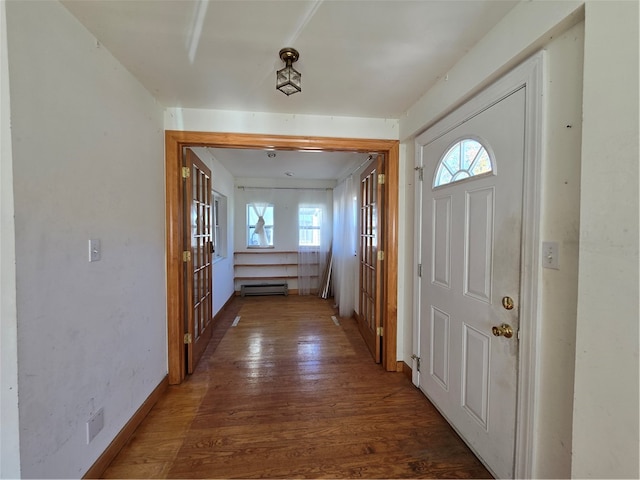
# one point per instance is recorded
(503, 330)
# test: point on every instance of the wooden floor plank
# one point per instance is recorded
(288, 393)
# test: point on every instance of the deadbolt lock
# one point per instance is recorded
(507, 303)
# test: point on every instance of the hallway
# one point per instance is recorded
(288, 393)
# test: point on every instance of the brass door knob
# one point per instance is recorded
(503, 330)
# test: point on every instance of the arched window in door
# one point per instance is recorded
(464, 159)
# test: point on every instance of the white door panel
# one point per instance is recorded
(471, 233)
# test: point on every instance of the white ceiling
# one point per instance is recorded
(362, 58)
(288, 164)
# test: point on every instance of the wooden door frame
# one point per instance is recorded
(176, 140)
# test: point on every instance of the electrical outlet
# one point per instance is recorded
(95, 424)
(95, 250)
(550, 255)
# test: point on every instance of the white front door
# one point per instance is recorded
(470, 285)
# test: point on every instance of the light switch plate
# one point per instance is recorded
(95, 250)
(95, 424)
(550, 255)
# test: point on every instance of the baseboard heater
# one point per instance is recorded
(265, 289)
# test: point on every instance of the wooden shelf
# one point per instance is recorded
(266, 277)
(267, 264)
(264, 251)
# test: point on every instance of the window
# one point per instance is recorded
(259, 225)
(309, 223)
(467, 158)
(219, 223)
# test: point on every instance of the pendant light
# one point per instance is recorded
(288, 79)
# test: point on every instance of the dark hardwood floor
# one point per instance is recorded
(287, 393)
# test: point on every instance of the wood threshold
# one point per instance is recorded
(120, 440)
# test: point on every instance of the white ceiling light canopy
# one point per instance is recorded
(288, 79)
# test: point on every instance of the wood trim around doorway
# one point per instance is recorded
(176, 140)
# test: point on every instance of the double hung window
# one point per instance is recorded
(309, 223)
(259, 225)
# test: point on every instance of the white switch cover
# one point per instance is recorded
(95, 424)
(550, 255)
(95, 251)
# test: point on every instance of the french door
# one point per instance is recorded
(198, 254)
(371, 257)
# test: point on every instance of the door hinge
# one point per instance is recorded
(380, 331)
(417, 359)
(381, 178)
(187, 338)
(186, 256)
(380, 255)
(186, 172)
(420, 270)
(420, 171)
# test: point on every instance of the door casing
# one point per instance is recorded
(176, 140)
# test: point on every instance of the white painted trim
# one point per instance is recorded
(9, 401)
(417, 255)
(529, 362)
(530, 76)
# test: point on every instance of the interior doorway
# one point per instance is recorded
(175, 141)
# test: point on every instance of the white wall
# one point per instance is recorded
(200, 120)
(87, 163)
(605, 422)
(222, 182)
(525, 29)
(9, 433)
(560, 222)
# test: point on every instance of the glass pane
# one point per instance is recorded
(452, 158)
(309, 223)
(470, 149)
(260, 230)
(465, 159)
(444, 177)
(482, 163)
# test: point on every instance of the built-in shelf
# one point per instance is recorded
(267, 277)
(259, 266)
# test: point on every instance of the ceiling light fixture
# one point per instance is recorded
(288, 79)
(271, 154)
